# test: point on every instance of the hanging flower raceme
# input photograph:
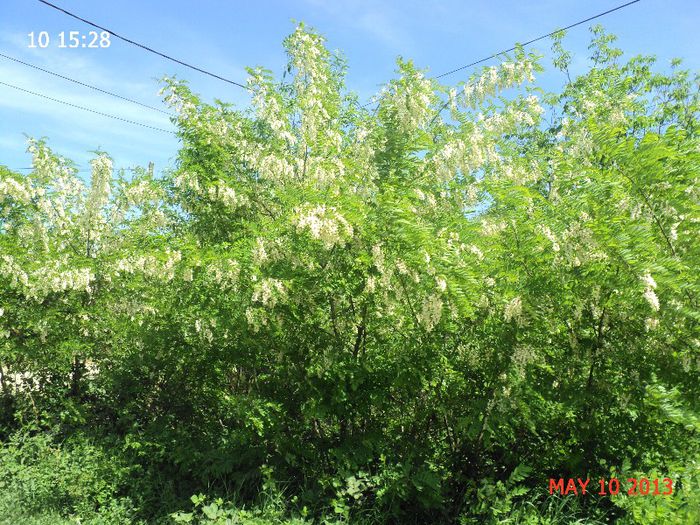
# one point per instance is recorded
(494, 79)
(513, 310)
(649, 293)
(410, 99)
(52, 277)
(10, 188)
(324, 223)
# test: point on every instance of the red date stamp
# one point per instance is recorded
(611, 487)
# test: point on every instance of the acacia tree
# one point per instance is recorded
(392, 307)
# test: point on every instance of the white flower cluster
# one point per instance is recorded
(268, 107)
(204, 330)
(219, 191)
(490, 228)
(431, 312)
(224, 274)
(256, 318)
(517, 173)
(55, 209)
(217, 126)
(270, 166)
(673, 231)
(513, 310)
(139, 193)
(187, 181)
(476, 251)
(651, 323)
(580, 145)
(313, 86)
(401, 266)
(324, 223)
(579, 245)
(40, 282)
(61, 280)
(100, 190)
(92, 369)
(522, 357)
(550, 235)
(321, 171)
(315, 116)
(184, 108)
(599, 104)
(43, 161)
(513, 117)
(259, 253)
(268, 292)
(150, 265)
(649, 294)
(496, 78)
(463, 155)
(226, 195)
(379, 261)
(441, 284)
(14, 272)
(411, 97)
(378, 257)
(9, 187)
(371, 284)
(18, 381)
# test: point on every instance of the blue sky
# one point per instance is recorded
(226, 36)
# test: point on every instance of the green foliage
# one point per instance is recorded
(413, 312)
(216, 513)
(78, 479)
(682, 508)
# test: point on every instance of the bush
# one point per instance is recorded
(75, 479)
(386, 312)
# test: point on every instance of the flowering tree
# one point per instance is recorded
(387, 306)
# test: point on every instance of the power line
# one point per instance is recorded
(87, 109)
(214, 75)
(542, 37)
(86, 85)
(142, 46)
(476, 62)
(538, 38)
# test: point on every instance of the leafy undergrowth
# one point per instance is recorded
(78, 482)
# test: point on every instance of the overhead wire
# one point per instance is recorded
(452, 71)
(143, 46)
(219, 77)
(542, 37)
(86, 109)
(86, 85)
